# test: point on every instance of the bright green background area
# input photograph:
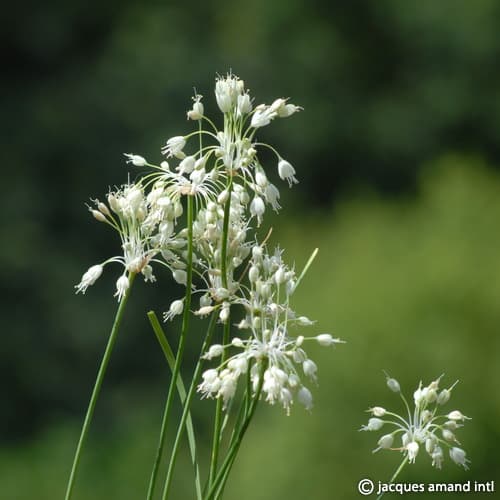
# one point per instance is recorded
(412, 285)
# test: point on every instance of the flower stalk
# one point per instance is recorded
(97, 385)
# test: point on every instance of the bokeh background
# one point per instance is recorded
(397, 150)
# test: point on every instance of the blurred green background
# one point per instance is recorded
(397, 152)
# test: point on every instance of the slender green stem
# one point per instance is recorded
(225, 340)
(97, 386)
(222, 475)
(180, 351)
(242, 414)
(395, 475)
(187, 404)
(181, 389)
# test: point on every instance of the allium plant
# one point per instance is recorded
(197, 215)
(426, 427)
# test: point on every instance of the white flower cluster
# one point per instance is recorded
(231, 190)
(133, 216)
(268, 319)
(423, 427)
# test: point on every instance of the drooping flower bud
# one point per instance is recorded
(412, 450)
(89, 278)
(196, 112)
(444, 397)
(374, 424)
(457, 415)
(122, 285)
(287, 172)
(385, 442)
(459, 457)
(393, 384)
(305, 397)
(176, 308)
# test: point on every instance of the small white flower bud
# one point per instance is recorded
(122, 285)
(418, 396)
(186, 166)
(260, 178)
(205, 300)
(215, 351)
(136, 160)
(310, 368)
(244, 104)
(437, 457)
(237, 342)
(257, 252)
(262, 116)
(196, 113)
(223, 95)
(164, 165)
(452, 425)
(374, 424)
(113, 203)
(299, 341)
(393, 384)
(293, 380)
(257, 207)
(431, 395)
(459, 457)
(287, 172)
(103, 209)
(204, 311)
(224, 313)
(243, 324)
(174, 147)
(377, 411)
(223, 197)
(325, 339)
(430, 444)
(385, 442)
(457, 415)
(304, 397)
(279, 276)
(253, 274)
(448, 435)
(412, 450)
(210, 375)
(180, 276)
(176, 308)
(98, 215)
(89, 278)
(287, 110)
(444, 397)
(426, 416)
(277, 103)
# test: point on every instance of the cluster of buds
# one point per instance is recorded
(424, 427)
(268, 319)
(127, 212)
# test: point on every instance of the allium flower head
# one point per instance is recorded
(269, 351)
(144, 224)
(422, 428)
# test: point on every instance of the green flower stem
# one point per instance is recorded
(395, 475)
(181, 389)
(219, 481)
(180, 351)
(225, 339)
(97, 386)
(242, 414)
(187, 404)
